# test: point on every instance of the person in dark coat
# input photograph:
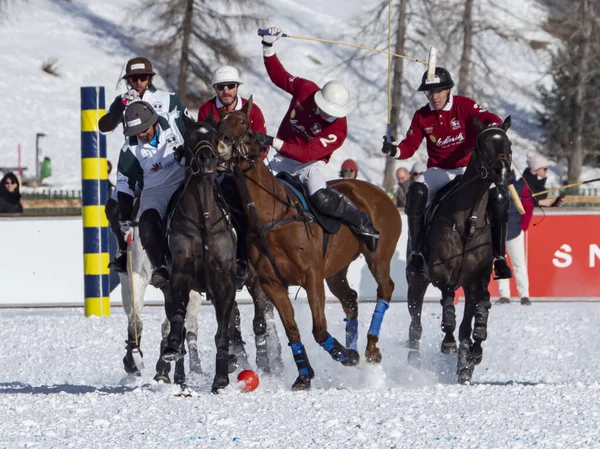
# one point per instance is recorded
(10, 196)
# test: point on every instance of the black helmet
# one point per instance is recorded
(139, 116)
(441, 80)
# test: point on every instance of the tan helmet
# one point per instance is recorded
(138, 66)
(333, 99)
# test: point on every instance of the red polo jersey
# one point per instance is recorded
(306, 136)
(450, 133)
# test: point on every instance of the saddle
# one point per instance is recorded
(329, 224)
(439, 197)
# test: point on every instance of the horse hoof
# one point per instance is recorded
(448, 347)
(464, 376)
(302, 383)
(352, 358)
(475, 356)
(373, 357)
(219, 383)
(414, 359)
(164, 377)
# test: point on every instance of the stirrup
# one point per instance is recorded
(501, 268)
(160, 276)
(119, 263)
(415, 265)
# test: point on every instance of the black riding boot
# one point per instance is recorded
(153, 242)
(119, 263)
(416, 201)
(240, 223)
(335, 204)
(498, 210)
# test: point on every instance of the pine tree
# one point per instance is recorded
(190, 38)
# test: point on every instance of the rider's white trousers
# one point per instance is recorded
(436, 178)
(311, 174)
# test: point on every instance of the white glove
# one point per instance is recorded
(126, 228)
(131, 96)
(273, 36)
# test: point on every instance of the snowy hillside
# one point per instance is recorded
(91, 41)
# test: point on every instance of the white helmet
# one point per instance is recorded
(226, 74)
(333, 98)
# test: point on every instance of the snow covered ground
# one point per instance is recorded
(538, 386)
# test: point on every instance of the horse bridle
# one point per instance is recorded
(484, 168)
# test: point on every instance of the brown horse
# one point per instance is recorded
(287, 248)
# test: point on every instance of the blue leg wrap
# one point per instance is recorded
(351, 334)
(333, 347)
(300, 358)
(377, 319)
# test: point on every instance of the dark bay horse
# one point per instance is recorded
(202, 258)
(458, 252)
(300, 251)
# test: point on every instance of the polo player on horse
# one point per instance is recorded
(447, 124)
(312, 129)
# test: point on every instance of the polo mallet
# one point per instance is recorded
(576, 184)
(265, 32)
(430, 63)
(516, 199)
(135, 353)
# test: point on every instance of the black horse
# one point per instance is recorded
(458, 250)
(202, 251)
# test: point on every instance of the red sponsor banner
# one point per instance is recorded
(563, 256)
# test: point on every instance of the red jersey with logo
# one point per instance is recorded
(306, 136)
(450, 133)
(257, 120)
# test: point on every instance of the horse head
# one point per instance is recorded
(236, 140)
(493, 155)
(199, 148)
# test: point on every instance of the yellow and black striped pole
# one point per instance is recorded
(94, 179)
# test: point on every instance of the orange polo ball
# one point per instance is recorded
(249, 380)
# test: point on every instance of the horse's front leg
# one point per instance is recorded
(315, 290)
(176, 300)
(133, 304)
(268, 347)
(417, 286)
(238, 354)
(338, 284)
(191, 335)
(278, 295)
(448, 319)
(222, 278)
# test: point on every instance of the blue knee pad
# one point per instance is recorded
(351, 333)
(377, 319)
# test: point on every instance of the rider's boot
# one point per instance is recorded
(153, 242)
(119, 263)
(416, 201)
(498, 210)
(335, 204)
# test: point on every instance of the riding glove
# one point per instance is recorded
(390, 148)
(273, 36)
(126, 227)
(263, 139)
(178, 153)
(131, 96)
